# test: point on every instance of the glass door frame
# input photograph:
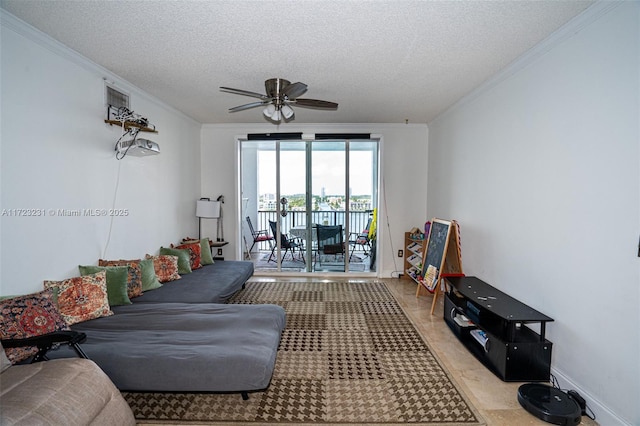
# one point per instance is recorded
(308, 140)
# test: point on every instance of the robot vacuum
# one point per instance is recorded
(549, 404)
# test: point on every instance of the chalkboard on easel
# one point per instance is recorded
(442, 257)
(437, 242)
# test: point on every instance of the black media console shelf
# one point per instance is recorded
(491, 324)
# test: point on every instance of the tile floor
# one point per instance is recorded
(496, 400)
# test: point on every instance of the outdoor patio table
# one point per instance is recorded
(301, 232)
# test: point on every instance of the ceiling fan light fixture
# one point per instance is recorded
(287, 111)
(269, 110)
(277, 115)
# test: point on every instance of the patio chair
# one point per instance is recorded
(259, 236)
(330, 241)
(286, 243)
(360, 239)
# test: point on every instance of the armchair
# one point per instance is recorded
(70, 391)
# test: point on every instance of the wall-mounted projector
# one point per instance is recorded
(138, 147)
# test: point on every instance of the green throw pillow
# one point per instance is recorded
(149, 277)
(116, 282)
(184, 259)
(205, 252)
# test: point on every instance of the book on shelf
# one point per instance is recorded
(414, 259)
(480, 336)
(462, 321)
(414, 273)
(413, 245)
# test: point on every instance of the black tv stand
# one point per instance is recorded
(491, 325)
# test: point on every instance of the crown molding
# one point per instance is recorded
(20, 27)
(318, 127)
(570, 29)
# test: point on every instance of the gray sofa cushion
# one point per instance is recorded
(185, 347)
(210, 284)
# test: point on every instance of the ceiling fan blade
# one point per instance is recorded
(247, 106)
(294, 90)
(243, 92)
(315, 103)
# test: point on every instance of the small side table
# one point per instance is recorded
(218, 245)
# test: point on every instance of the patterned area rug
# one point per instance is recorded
(347, 355)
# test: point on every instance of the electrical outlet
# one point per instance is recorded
(400, 253)
(219, 252)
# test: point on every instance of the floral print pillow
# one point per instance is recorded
(194, 253)
(29, 316)
(166, 267)
(82, 298)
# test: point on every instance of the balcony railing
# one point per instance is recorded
(357, 220)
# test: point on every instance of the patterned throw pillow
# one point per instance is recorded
(184, 259)
(82, 298)
(29, 316)
(166, 267)
(194, 253)
(206, 258)
(134, 278)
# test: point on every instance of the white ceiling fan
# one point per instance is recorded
(280, 95)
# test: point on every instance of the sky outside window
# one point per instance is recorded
(328, 172)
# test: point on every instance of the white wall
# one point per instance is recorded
(403, 160)
(542, 171)
(57, 153)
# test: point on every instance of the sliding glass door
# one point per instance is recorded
(308, 205)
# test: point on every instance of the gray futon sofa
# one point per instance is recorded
(214, 283)
(182, 337)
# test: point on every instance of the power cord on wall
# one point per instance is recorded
(113, 206)
(386, 215)
(134, 133)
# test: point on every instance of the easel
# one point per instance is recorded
(443, 247)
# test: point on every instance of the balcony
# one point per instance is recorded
(359, 261)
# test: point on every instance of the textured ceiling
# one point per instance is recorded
(382, 61)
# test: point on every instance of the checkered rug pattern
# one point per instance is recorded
(348, 355)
